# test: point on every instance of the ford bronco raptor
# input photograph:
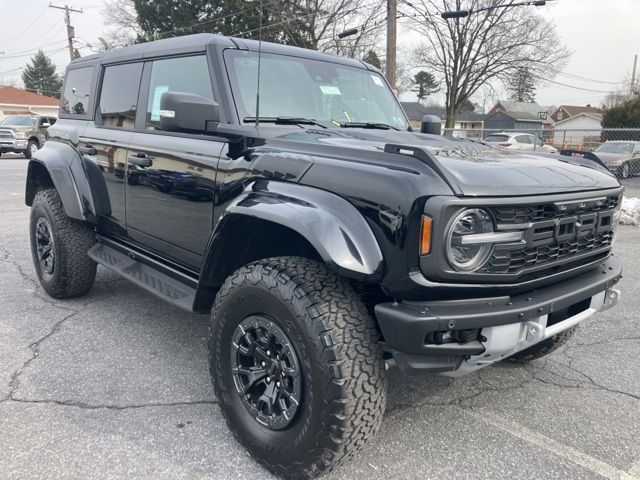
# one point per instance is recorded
(24, 133)
(321, 233)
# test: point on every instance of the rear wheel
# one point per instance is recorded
(59, 248)
(297, 365)
(543, 348)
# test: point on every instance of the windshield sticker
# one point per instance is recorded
(155, 106)
(377, 80)
(330, 90)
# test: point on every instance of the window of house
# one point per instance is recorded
(77, 91)
(119, 95)
(185, 74)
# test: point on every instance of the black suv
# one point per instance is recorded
(325, 237)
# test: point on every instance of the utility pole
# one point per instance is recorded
(70, 30)
(392, 20)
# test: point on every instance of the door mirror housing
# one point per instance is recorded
(187, 112)
(46, 125)
(431, 124)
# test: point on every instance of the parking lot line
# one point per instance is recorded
(565, 451)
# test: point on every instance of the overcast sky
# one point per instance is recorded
(603, 34)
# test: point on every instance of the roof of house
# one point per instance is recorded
(531, 108)
(595, 115)
(415, 111)
(573, 110)
(17, 96)
(519, 116)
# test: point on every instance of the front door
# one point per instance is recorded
(171, 177)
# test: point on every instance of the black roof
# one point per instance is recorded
(199, 42)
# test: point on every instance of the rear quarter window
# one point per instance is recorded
(77, 94)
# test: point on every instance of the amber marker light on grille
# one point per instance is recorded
(425, 235)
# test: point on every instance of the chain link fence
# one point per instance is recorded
(618, 149)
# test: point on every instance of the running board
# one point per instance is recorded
(161, 285)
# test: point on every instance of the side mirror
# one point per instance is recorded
(45, 125)
(186, 112)
(431, 124)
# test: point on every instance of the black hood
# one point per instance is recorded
(476, 168)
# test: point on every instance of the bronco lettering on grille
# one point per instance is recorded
(568, 228)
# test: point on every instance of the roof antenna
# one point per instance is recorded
(259, 58)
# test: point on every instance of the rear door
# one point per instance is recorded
(171, 176)
(525, 142)
(104, 142)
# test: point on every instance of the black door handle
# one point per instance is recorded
(88, 150)
(140, 159)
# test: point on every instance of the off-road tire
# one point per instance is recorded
(338, 346)
(27, 152)
(73, 271)
(543, 348)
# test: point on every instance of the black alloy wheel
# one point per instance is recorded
(266, 371)
(44, 245)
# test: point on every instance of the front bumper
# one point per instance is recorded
(13, 146)
(405, 326)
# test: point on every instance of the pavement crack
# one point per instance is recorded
(91, 406)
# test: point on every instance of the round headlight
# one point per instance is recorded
(467, 255)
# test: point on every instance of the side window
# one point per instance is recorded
(119, 95)
(524, 139)
(185, 74)
(77, 91)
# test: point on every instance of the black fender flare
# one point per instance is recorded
(59, 165)
(336, 230)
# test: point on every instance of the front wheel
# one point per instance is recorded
(32, 147)
(624, 170)
(297, 365)
(59, 248)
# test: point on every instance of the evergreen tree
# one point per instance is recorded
(425, 84)
(40, 76)
(522, 87)
(625, 115)
(174, 18)
(371, 57)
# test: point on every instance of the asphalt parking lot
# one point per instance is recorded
(115, 385)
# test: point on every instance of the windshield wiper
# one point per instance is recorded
(284, 121)
(379, 126)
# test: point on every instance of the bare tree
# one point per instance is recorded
(469, 52)
(121, 16)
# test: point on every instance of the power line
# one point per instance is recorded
(570, 86)
(578, 77)
(26, 29)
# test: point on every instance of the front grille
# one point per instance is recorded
(505, 260)
(6, 135)
(533, 213)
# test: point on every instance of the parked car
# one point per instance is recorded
(520, 141)
(24, 133)
(328, 237)
(621, 157)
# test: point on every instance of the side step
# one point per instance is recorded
(161, 285)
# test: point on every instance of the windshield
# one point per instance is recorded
(299, 87)
(19, 120)
(497, 138)
(615, 148)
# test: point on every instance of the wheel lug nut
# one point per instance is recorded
(263, 364)
(269, 352)
(268, 379)
(277, 384)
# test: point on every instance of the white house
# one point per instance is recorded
(578, 131)
(17, 101)
(467, 124)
